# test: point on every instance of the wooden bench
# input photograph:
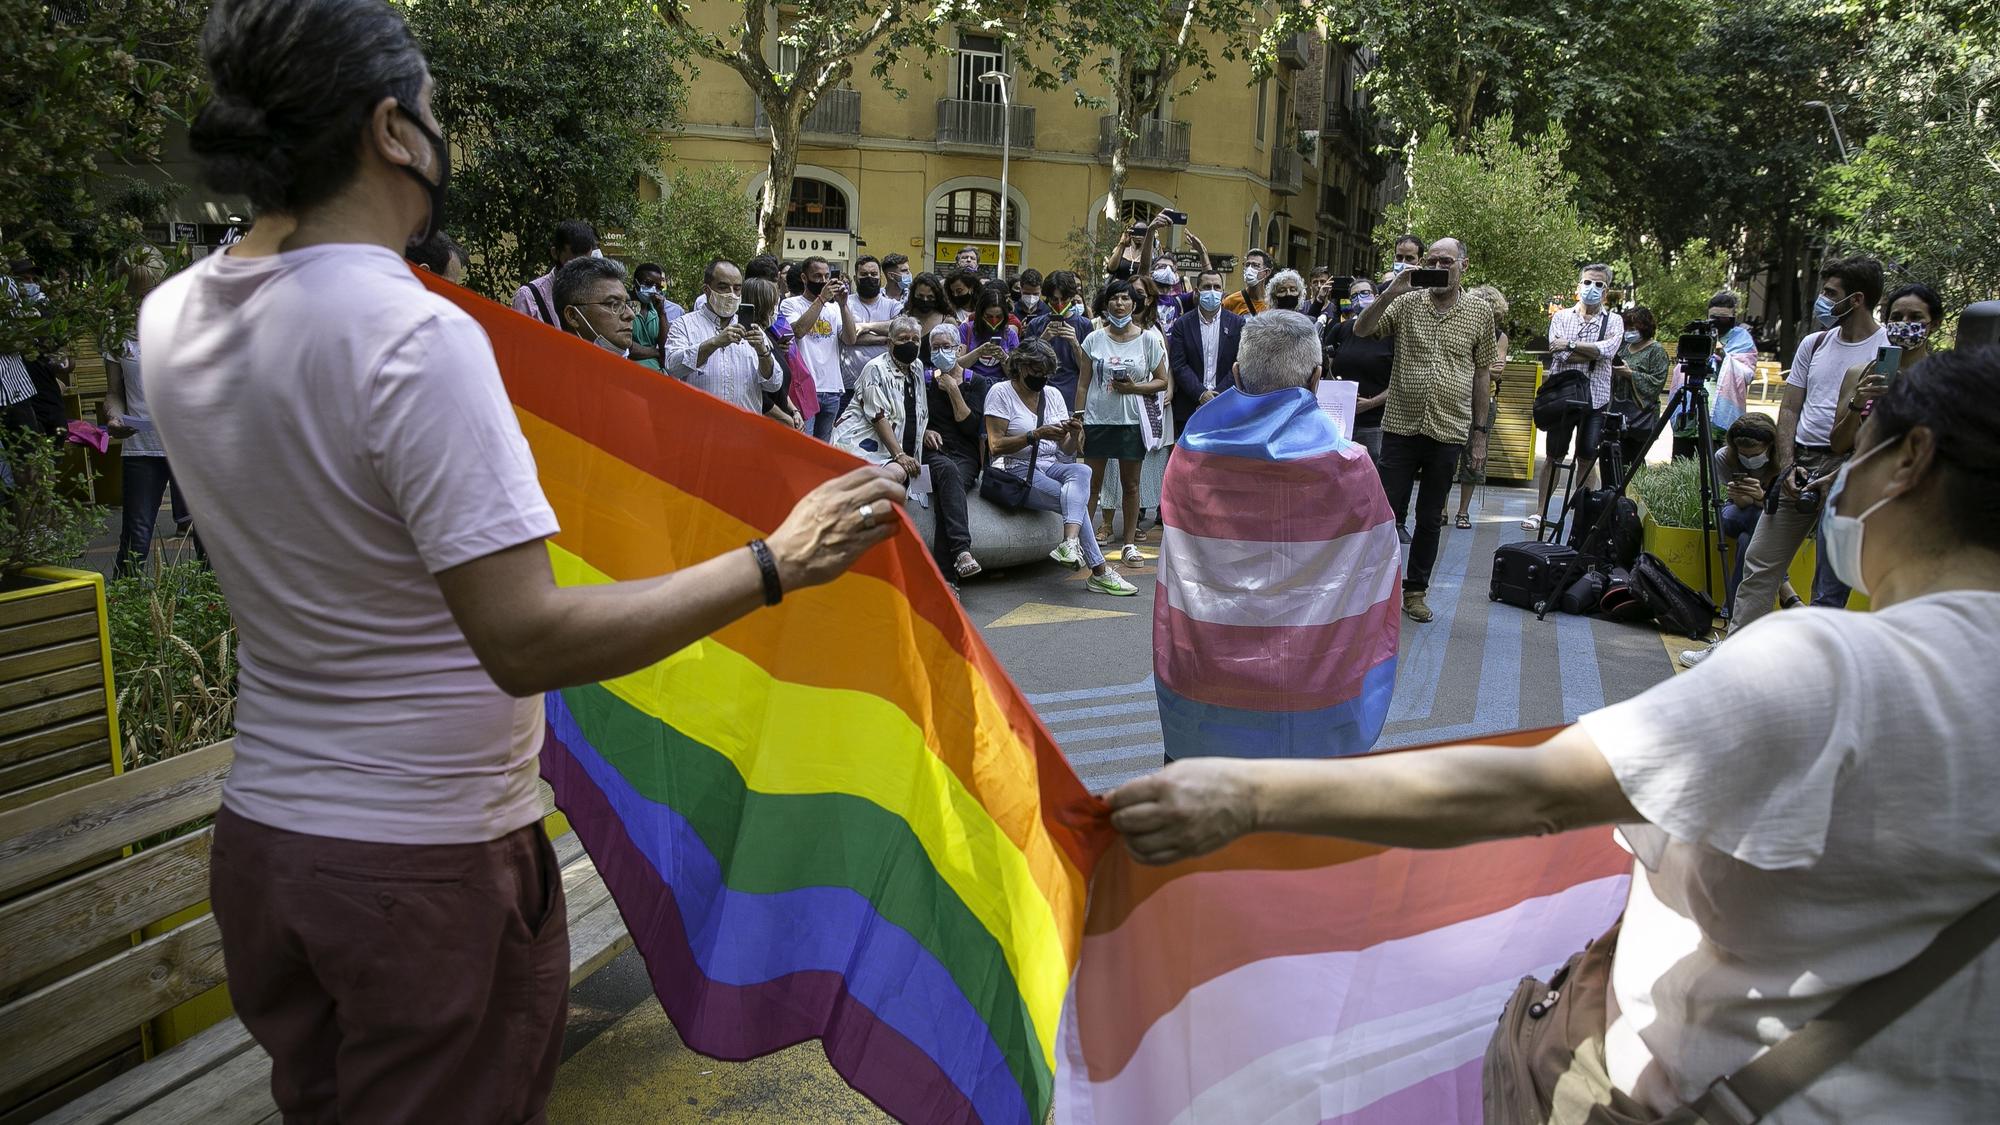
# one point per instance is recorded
(220, 1076)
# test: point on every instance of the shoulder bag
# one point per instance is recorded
(1006, 487)
(1565, 394)
(1546, 1065)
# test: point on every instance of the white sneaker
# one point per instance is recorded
(1130, 556)
(1113, 583)
(1532, 523)
(1068, 554)
(1693, 656)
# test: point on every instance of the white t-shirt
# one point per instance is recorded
(819, 342)
(1002, 401)
(1819, 804)
(1821, 374)
(345, 436)
(1133, 359)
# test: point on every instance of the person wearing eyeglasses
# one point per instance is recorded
(592, 303)
(723, 347)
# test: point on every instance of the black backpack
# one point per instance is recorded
(1628, 533)
(1677, 606)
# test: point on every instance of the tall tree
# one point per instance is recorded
(1923, 190)
(88, 93)
(704, 215)
(554, 111)
(1147, 51)
(1510, 202)
(826, 37)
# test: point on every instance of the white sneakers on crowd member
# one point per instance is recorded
(1111, 582)
(1068, 554)
(1130, 556)
(1693, 656)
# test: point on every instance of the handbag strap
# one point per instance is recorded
(1825, 1041)
(1035, 443)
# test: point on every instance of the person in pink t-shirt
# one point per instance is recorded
(391, 912)
(572, 238)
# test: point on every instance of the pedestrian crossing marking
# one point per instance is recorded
(1041, 613)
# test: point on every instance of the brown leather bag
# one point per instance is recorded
(1546, 1066)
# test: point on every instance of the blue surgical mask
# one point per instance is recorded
(1118, 321)
(1840, 536)
(1211, 300)
(1823, 313)
(648, 292)
(1075, 309)
(1362, 301)
(1592, 292)
(944, 359)
(1631, 337)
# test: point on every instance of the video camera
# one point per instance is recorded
(1696, 349)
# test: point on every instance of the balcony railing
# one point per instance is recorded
(1285, 177)
(1292, 51)
(1159, 144)
(838, 114)
(973, 124)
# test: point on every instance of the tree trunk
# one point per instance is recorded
(786, 122)
(1462, 125)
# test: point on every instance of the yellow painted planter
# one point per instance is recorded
(1680, 549)
(58, 707)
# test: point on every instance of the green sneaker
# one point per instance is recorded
(1068, 554)
(1110, 582)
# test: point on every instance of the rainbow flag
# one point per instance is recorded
(1275, 625)
(1300, 980)
(834, 819)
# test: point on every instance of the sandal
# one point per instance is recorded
(1464, 521)
(1792, 602)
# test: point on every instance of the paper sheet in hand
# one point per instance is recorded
(1337, 398)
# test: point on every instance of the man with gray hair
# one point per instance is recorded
(716, 350)
(1275, 626)
(591, 302)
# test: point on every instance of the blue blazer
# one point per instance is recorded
(1184, 359)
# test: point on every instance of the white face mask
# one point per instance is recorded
(1252, 275)
(1757, 462)
(723, 305)
(1841, 536)
(1165, 275)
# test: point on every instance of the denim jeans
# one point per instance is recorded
(1065, 487)
(146, 482)
(1431, 467)
(829, 413)
(1738, 525)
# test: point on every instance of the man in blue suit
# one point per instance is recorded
(1201, 349)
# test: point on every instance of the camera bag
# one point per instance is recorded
(1677, 606)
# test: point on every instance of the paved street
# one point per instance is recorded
(1085, 661)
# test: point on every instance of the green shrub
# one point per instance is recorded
(1671, 492)
(42, 521)
(173, 659)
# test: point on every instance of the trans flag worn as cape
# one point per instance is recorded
(834, 819)
(1275, 623)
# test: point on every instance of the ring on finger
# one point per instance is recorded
(867, 512)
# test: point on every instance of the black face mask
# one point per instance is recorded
(813, 288)
(1034, 382)
(442, 153)
(906, 353)
(1288, 301)
(1723, 323)
(868, 287)
(922, 302)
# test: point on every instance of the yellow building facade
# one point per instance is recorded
(1283, 164)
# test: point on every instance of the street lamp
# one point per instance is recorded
(1839, 141)
(1003, 81)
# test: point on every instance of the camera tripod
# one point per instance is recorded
(1693, 393)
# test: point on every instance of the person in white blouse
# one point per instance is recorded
(711, 350)
(1790, 844)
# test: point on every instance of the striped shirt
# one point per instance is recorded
(16, 385)
(1606, 328)
(1438, 358)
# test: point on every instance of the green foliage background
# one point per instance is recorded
(1513, 205)
(554, 111)
(704, 215)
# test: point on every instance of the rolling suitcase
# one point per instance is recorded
(1525, 574)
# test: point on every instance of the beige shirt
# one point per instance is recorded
(1438, 355)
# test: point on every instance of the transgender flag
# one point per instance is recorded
(1274, 632)
(1292, 980)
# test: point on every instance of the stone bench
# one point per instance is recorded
(1002, 538)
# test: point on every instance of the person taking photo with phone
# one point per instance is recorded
(1437, 385)
(720, 348)
(1912, 315)
(1849, 335)
(1747, 471)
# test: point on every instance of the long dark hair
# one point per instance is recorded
(936, 286)
(295, 82)
(989, 297)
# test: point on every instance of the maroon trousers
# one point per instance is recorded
(396, 983)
